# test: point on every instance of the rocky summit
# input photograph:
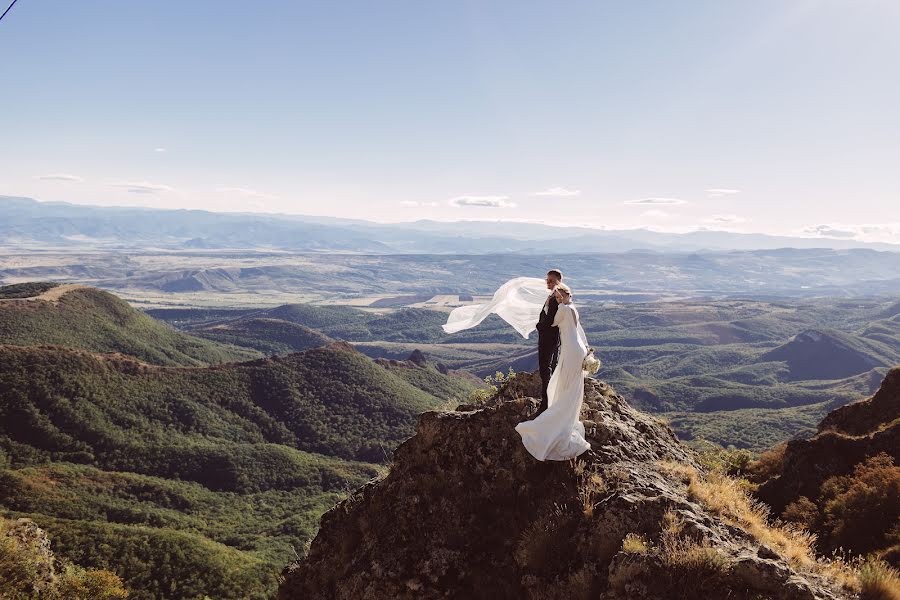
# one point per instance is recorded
(466, 513)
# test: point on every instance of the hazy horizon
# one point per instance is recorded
(772, 117)
(650, 228)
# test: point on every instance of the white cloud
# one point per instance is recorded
(247, 192)
(59, 177)
(655, 213)
(159, 149)
(887, 232)
(829, 231)
(656, 201)
(879, 232)
(484, 201)
(718, 192)
(725, 219)
(142, 187)
(559, 192)
(415, 203)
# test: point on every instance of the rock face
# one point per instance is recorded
(846, 437)
(465, 512)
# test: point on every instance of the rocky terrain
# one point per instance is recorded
(843, 484)
(845, 438)
(466, 512)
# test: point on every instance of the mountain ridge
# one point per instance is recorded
(27, 220)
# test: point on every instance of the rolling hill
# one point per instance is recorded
(272, 336)
(188, 480)
(91, 319)
(830, 354)
(747, 373)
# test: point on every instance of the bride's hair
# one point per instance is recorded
(563, 287)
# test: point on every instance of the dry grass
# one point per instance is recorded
(729, 499)
(541, 544)
(686, 557)
(879, 581)
(635, 544)
(676, 470)
(578, 466)
(590, 487)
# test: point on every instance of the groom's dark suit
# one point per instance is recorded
(548, 346)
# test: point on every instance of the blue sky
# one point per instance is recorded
(611, 114)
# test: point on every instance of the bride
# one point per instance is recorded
(558, 433)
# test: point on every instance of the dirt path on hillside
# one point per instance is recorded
(52, 295)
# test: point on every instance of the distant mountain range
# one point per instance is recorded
(24, 221)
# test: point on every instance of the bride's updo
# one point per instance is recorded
(563, 287)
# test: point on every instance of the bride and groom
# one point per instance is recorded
(556, 433)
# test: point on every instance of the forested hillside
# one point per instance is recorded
(748, 373)
(188, 480)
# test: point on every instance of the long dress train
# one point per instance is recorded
(558, 433)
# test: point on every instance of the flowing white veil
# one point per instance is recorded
(519, 302)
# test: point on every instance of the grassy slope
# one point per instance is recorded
(100, 322)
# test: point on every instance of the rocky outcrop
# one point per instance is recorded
(868, 416)
(846, 437)
(466, 512)
(29, 565)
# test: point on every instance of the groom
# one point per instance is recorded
(548, 336)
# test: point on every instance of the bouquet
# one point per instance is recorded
(590, 364)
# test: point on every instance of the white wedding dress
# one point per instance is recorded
(558, 433)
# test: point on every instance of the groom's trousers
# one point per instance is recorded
(548, 354)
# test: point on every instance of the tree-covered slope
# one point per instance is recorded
(197, 480)
(121, 414)
(272, 336)
(91, 319)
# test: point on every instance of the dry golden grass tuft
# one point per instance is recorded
(635, 544)
(676, 470)
(590, 487)
(686, 557)
(729, 499)
(878, 581)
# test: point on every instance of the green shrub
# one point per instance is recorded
(492, 384)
